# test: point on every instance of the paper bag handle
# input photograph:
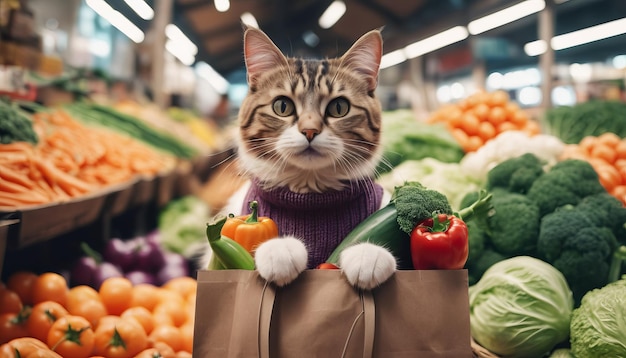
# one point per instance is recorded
(368, 314)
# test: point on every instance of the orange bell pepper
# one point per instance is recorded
(250, 230)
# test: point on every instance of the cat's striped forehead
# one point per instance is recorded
(310, 75)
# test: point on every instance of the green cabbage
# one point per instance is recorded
(521, 307)
(405, 138)
(446, 178)
(182, 225)
(598, 326)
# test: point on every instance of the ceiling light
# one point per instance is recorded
(579, 37)
(180, 52)
(505, 16)
(442, 39)
(222, 5)
(249, 19)
(182, 41)
(392, 58)
(205, 71)
(535, 48)
(116, 19)
(141, 8)
(590, 34)
(333, 13)
(310, 38)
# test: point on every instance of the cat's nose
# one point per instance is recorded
(310, 133)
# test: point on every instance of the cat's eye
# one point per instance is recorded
(283, 106)
(338, 107)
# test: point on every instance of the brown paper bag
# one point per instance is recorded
(414, 314)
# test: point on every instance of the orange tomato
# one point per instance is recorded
(21, 282)
(10, 301)
(620, 193)
(124, 339)
(185, 286)
(71, 337)
(186, 331)
(609, 176)
(470, 124)
(27, 347)
(610, 139)
(91, 309)
(167, 334)
(116, 293)
(497, 116)
(50, 286)
(145, 295)
(587, 143)
(486, 131)
(12, 326)
(141, 315)
(505, 126)
(176, 310)
(603, 151)
(481, 111)
(498, 98)
(42, 317)
(473, 143)
(80, 293)
(620, 149)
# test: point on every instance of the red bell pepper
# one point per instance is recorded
(440, 243)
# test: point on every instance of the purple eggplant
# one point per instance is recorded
(83, 271)
(149, 256)
(103, 271)
(176, 265)
(120, 253)
(138, 277)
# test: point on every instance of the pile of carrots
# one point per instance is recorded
(607, 154)
(481, 117)
(42, 316)
(70, 160)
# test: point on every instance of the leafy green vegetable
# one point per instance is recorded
(446, 178)
(572, 124)
(598, 326)
(405, 138)
(521, 307)
(15, 126)
(182, 224)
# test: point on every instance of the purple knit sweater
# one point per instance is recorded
(320, 220)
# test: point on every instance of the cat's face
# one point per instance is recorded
(310, 124)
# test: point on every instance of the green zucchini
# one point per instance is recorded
(228, 252)
(380, 228)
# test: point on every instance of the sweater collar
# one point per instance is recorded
(286, 198)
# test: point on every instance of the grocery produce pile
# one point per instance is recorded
(51, 155)
(535, 208)
(42, 316)
(555, 236)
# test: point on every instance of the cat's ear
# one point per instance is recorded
(260, 53)
(364, 57)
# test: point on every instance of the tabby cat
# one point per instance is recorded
(309, 133)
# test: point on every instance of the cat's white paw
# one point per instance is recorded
(367, 265)
(281, 260)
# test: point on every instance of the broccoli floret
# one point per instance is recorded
(568, 182)
(513, 223)
(605, 210)
(415, 203)
(581, 251)
(476, 242)
(515, 174)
